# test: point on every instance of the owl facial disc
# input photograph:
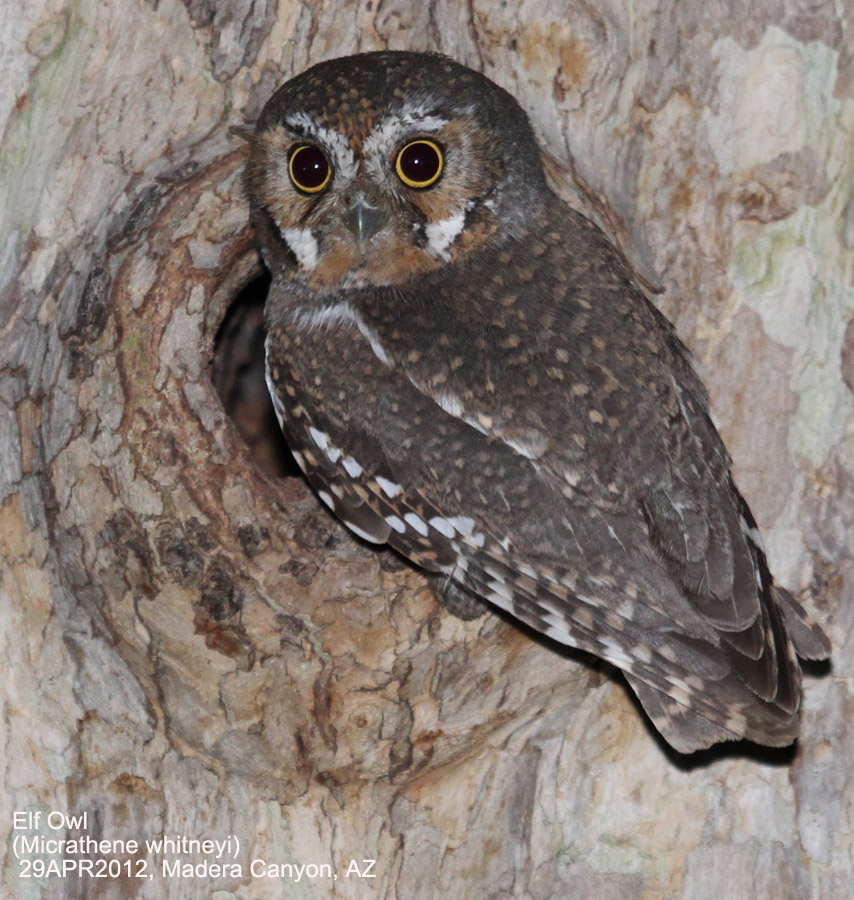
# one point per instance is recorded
(370, 179)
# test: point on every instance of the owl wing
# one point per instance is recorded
(699, 683)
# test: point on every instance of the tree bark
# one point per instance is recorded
(194, 649)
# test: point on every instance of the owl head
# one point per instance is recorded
(378, 168)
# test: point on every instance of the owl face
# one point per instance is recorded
(383, 172)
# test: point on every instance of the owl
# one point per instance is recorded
(465, 369)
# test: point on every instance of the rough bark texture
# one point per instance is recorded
(193, 648)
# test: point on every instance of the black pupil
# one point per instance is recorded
(309, 167)
(419, 162)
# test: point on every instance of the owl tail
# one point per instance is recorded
(809, 640)
(682, 728)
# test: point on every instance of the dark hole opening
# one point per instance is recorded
(238, 377)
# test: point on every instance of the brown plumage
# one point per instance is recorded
(465, 369)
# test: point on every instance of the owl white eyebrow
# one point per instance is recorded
(344, 161)
(385, 136)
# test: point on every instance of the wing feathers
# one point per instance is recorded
(729, 673)
(809, 640)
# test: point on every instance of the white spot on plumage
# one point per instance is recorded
(303, 244)
(415, 521)
(616, 654)
(756, 537)
(443, 526)
(626, 609)
(298, 457)
(389, 488)
(396, 524)
(668, 652)
(353, 469)
(736, 722)
(463, 524)
(440, 235)
(319, 438)
(500, 589)
(642, 652)
(556, 634)
(326, 498)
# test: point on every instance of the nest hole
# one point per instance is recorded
(238, 377)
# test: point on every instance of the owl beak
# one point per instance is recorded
(363, 221)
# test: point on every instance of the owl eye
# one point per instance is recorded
(419, 164)
(309, 169)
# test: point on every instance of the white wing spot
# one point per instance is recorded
(326, 498)
(396, 524)
(298, 457)
(616, 654)
(502, 600)
(389, 488)
(557, 634)
(500, 589)
(354, 470)
(319, 438)
(736, 723)
(642, 652)
(756, 537)
(443, 526)
(463, 524)
(416, 522)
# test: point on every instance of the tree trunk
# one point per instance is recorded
(195, 650)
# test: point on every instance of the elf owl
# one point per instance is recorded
(465, 369)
